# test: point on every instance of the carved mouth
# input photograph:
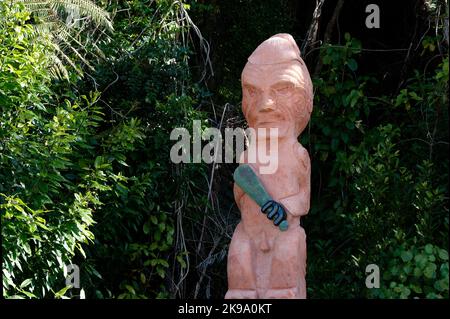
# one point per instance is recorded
(268, 124)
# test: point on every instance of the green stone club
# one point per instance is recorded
(248, 181)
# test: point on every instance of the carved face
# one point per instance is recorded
(276, 96)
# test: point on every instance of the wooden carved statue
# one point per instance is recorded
(267, 254)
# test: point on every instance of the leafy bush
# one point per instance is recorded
(415, 272)
(139, 250)
(47, 191)
(372, 188)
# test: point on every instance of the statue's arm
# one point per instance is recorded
(238, 193)
(298, 204)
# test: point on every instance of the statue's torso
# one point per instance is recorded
(285, 182)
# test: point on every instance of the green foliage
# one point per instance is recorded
(414, 272)
(47, 195)
(371, 186)
(63, 159)
(136, 249)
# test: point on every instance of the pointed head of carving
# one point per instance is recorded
(276, 87)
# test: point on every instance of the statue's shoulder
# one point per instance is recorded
(243, 157)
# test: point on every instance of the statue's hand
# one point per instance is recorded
(275, 212)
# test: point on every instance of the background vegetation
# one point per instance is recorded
(87, 106)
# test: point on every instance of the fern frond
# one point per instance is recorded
(65, 57)
(58, 69)
(50, 18)
(85, 8)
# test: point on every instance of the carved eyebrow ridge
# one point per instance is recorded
(273, 63)
(283, 83)
(250, 86)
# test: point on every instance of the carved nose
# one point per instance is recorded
(267, 104)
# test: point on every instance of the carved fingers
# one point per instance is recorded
(275, 212)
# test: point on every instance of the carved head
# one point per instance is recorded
(276, 87)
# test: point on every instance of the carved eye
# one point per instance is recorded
(251, 91)
(284, 90)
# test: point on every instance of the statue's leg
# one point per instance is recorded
(287, 277)
(241, 276)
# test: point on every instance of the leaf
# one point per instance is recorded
(352, 64)
(157, 235)
(405, 292)
(326, 130)
(27, 248)
(62, 292)
(414, 96)
(26, 283)
(444, 270)
(130, 289)
(421, 260)
(347, 36)
(81, 250)
(96, 273)
(334, 144)
(417, 272)
(344, 137)
(19, 208)
(161, 272)
(180, 259)
(441, 285)
(350, 125)
(443, 254)
(28, 294)
(123, 163)
(431, 295)
(98, 161)
(326, 59)
(146, 228)
(354, 100)
(430, 270)
(406, 256)
(148, 262)
(416, 289)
